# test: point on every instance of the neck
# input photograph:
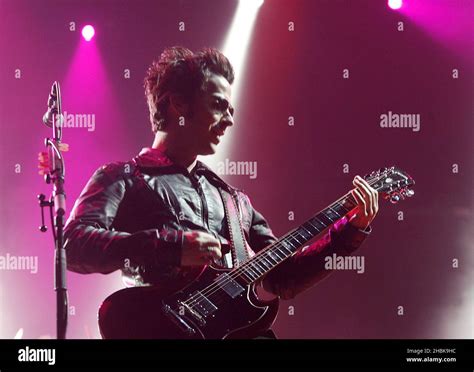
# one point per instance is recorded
(178, 153)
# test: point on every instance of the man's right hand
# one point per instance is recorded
(199, 248)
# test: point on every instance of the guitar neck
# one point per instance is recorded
(271, 256)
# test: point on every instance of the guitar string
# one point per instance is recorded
(215, 286)
(258, 259)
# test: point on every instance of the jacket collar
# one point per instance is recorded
(154, 158)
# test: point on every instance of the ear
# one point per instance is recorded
(179, 104)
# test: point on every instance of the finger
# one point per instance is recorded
(364, 187)
(211, 243)
(212, 252)
(64, 147)
(373, 193)
(200, 236)
(376, 200)
(360, 200)
(216, 253)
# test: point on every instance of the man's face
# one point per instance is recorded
(209, 116)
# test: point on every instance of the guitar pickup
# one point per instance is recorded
(229, 285)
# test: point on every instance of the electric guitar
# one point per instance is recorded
(217, 303)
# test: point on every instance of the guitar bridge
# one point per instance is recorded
(194, 313)
(180, 322)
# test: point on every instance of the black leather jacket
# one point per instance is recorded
(131, 215)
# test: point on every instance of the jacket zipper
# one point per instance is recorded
(205, 212)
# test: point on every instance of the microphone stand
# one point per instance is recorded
(52, 168)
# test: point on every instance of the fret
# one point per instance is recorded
(276, 254)
(261, 264)
(273, 256)
(310, 227)
(325, 219)
(251, 276)
(305, 233)
(267, 263)
(349, 203)
(251, 273)
(293, 245)
(318, 224)
(248, 277)
(287, 245)
(294, 237)
(340, 209)
(258, 268)
(332, 214)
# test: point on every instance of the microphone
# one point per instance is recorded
(53, 106)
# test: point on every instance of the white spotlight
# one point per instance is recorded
(235, 49)
(238, 37)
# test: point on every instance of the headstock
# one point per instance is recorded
(391, 183)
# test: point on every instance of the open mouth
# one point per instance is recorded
(216, 134)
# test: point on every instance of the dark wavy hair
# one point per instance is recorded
(180, 71)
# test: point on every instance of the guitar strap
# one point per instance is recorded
(236, 234)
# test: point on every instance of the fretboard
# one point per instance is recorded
(271, 256)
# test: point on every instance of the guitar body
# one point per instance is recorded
(153, 312)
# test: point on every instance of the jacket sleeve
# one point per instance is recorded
(93, 246)
(306, 267)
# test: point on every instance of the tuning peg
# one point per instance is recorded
(394, 198)
(409, 193)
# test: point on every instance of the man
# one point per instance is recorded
(163, 210)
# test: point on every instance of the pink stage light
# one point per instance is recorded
(88, 32)
(395, 4)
